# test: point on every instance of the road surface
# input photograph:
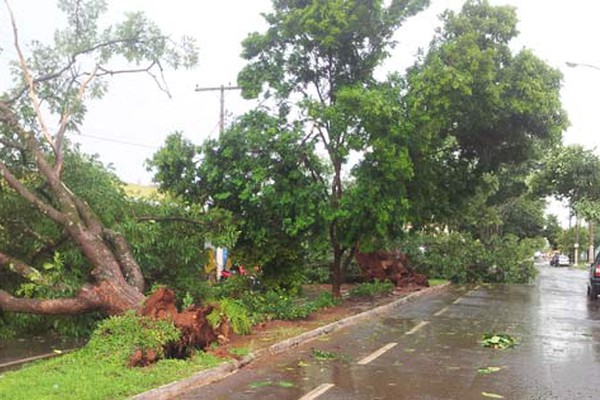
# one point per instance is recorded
(431, 349)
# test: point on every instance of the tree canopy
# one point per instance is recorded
(260, 171)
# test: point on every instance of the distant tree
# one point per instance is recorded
(552, 230)
(51, 86)
(317, 62)
(572, 173)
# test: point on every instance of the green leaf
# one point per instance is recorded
(489, 370)
(286, 384)
(492, 395)
(259, 384)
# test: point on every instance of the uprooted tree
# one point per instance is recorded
(51, 85)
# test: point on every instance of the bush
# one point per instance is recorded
(117, 338)
(278, 305)
(325, 300)
(460, 258)
(371, 289)
(318, 273)
(233, 312)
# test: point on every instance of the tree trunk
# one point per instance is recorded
(336, 268)
(336, 272)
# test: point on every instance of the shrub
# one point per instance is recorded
(278, 305)
(325, 300)
(371, 289)
(118, 337)
(461, 258)
(233, 312)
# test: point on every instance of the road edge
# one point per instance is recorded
(225, 369)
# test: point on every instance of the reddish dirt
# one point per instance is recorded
(392, 266)
(197, 332)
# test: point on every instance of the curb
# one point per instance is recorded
(222, 371)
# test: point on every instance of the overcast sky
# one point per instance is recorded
(131, 122)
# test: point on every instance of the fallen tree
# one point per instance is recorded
(51, 85)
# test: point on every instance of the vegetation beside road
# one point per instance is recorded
(100, 370)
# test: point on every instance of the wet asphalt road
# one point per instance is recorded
(430, 349)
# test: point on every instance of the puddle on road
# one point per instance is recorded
(32, 346)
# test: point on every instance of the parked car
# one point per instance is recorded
(593, 286)
(559, 260)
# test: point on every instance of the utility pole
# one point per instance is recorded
(222, 89)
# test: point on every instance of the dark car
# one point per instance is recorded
(593, 288)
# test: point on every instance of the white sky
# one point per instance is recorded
(131, 122)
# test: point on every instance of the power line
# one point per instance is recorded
(118, 141)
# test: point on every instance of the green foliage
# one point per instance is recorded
(460, 258)
(317, 273)
(480, 108)
(319, 57)
(323, 355)
(568, 237)
(252, 171)
(233, 312)
(444, 256)
(498, 340)
(117, 338)
(236, 286)
(279, 305)
(167, 239)
(325, 300)
(571, 173)
(372, 289)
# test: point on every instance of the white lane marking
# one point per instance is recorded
(416, 328)
(443, 310)
(467, 294)
(319, 390)
(376, 354)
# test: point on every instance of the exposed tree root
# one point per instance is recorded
(393, 266)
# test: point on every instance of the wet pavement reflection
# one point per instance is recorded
(435, 350)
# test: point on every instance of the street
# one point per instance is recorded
(431, 349)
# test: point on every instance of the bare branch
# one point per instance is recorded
(161, 83)
(323, 138)
(30, 82)
(60, 135)
(74, 57)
